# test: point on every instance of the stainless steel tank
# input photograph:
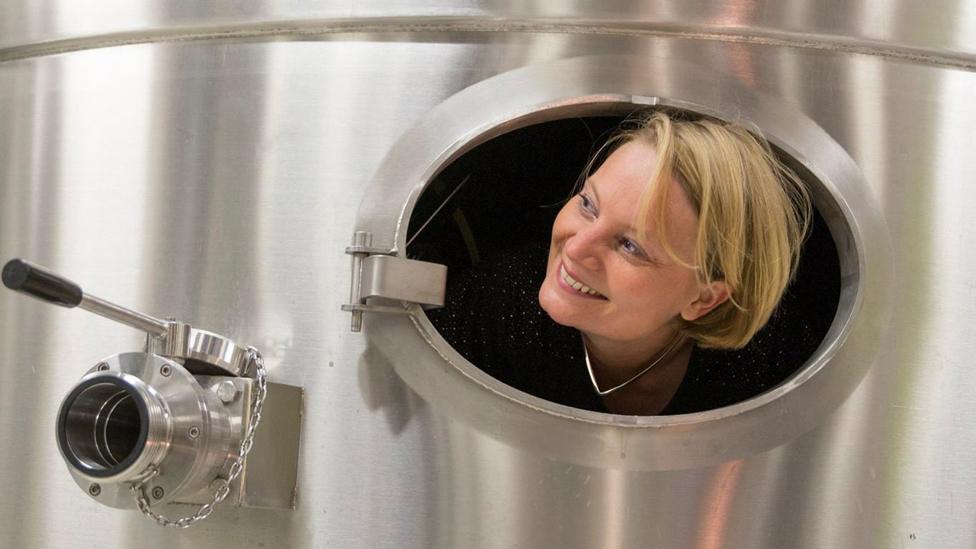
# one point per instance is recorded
(214, 162)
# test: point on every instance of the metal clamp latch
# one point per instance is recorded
(378, 273)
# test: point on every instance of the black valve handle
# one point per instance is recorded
(41, 283)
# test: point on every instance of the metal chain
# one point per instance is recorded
(236, 467)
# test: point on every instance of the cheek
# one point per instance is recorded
(655, 290)
(681, 290)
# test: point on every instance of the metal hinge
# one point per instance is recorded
(380, 275)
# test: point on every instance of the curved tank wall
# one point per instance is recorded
(213, 166)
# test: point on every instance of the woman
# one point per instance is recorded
(683, 240)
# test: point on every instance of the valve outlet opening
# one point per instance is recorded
(102, 426)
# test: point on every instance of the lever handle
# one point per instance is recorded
(41, 283)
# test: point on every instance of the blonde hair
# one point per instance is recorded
(753, 214)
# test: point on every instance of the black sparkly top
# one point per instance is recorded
(493, 318)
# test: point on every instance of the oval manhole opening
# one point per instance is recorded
(488, 216)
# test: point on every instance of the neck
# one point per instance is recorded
(616, 361)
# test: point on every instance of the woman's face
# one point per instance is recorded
(602, 279)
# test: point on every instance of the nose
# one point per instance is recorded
(586, 247)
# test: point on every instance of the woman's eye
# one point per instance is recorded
(587, 205)
(631, 247)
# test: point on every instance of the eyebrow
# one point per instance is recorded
(592, 184)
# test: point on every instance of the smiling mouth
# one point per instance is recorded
(577, 285)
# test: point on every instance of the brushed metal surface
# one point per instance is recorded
(219, 182)
(940, 30)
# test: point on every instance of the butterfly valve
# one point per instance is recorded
(192, 419)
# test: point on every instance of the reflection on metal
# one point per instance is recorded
(243, 162)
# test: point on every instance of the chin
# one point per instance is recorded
(558, 310)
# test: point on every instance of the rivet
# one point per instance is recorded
(94, 489)
(165, 370)
(157, 492)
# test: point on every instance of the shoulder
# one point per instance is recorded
(718, 378)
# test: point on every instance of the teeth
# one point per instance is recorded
(575, 284)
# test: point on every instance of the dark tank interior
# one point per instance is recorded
(505, 193)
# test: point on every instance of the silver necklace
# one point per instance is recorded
(589, 367)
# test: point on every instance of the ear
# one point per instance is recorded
(709, 296)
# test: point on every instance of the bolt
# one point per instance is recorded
(165, 370)
(94, 489)
(193, 432)
(226, 391)
(101, 367)
(157, 492)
